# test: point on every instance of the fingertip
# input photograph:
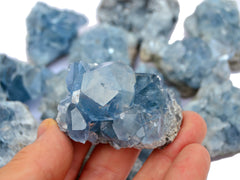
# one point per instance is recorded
(197, 123)
(47, 123)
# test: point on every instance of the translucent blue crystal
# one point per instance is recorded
(187, 62)
(21, 81)
(55, 90)
(17, 129)
(109, 103)
(146, 19)
(3, 95)
(100, 44)
(217, 22)
(50, 32)
(218, 103)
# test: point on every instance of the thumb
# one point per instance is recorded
(48, 158)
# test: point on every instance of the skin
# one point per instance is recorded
(53, 156)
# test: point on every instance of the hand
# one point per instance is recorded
(54, 156)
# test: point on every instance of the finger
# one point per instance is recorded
(108, 163)
(193, 130)
(80, 151)
(49, 157)
(193, 162)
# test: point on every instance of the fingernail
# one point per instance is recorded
(44, 126)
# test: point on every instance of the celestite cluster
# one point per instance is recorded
(219, 105)
(217, 22)
(17, 129)
(104, 43)
(145, 18)
(109, 103)
(21, 81)
(50, 32)
(189, 66)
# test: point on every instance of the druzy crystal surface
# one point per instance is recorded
(55, 90)
(219, 105)
(17, 129)
(19, 80)
(145, 18)
(186, 63)
(50, 32)
(217, 22)
(109, 103)
(103, 43)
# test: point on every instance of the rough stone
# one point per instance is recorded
(55, 90)
(186, 63)
(50, 32)
(145, 18)
(21, 81)
(103, 43)
(218, 103)
(109, 103)
(17, 129)
(217, 22)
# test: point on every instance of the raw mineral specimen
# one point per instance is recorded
(103, 43)
(3, 95)
(21, 81)
(17, 129)
(109, 103)
(55, 90)
(153, 49)
(217, 22)
(50, 32)
(218, 103)
(186, 63)
(145, 18)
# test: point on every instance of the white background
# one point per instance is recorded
(13, 14)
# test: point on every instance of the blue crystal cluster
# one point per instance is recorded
(219, 105)
(190, 65)
(217, 22)
(55, 90)
(21, 81)
(109, 103)
(50, 32)
(17, 129)
(145, 18)
(101, 44)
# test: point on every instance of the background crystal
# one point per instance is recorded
(50, 32)
(17, 129)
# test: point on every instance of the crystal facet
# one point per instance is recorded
(17, 129)
(103, 43)
(50, 32)
(109, 103)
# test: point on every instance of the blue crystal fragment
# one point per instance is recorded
(17, 129)
(109, 103)
(50, 32)
(55, 90)
(187, 62)
(217, 22)
(100, 44)
(3, 95)
(146, 19)
(21, 81)
(218, 103)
